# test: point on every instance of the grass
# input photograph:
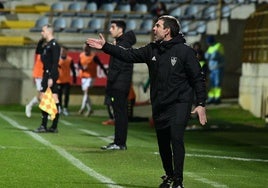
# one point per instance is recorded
(231, 151)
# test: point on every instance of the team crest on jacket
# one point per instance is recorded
(173, 60)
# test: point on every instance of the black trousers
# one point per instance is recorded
(54, 90)
(64, 89)
(171, 138)
(120, 109)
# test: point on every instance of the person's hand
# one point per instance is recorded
(96, 43)
(201, 112)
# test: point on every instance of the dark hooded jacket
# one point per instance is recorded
(173, 69)
(119, 72)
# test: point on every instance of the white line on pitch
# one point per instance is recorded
(95, 134)
(66, 122)
(74, 161)
(227, 157)
(205, 180)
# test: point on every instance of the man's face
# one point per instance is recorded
(159, 32)
(44, 32)
(115, 31)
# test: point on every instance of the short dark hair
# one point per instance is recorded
(119, 23)
(172, 23)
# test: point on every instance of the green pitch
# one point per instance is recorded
(231, 151)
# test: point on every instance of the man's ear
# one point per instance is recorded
(167, 31)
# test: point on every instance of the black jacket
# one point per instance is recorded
(50, 57)
(173, 69)
(120, 73)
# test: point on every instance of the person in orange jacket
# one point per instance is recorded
(37, 74)
(88, 62)
(66, 67)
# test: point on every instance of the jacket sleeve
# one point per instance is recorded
(130, 55)
(98, 62)
(196, 76)
(55, 61)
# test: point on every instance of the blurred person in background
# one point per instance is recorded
(215, 58)
(66, 67)
(87, 64)
(37, 74)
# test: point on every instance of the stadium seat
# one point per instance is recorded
(185, 26)
(213, 2)
(191, 12)
(199, 1)
(201, 27)
(121, 11)
(226, 11)
(228, 1)
(77, 24)
(145, 27)
(139, 11)
(123, 7)
(131, 24)
(109, 7)
(40, 22)
(177, 12)
(95, 25)
(59, 24)
(209, 13)
(89, 10)
(73, 9)
(56, 9)
(181, 1)
(104, 9)
(141, 8)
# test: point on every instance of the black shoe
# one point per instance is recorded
(177, 184)
(113, 146)
(167, 180)
(52, 130)
(40, 129)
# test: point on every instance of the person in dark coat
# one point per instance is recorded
(118, 85)
(50, 54)
(175, 75)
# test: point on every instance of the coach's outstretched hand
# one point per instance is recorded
(96, 43)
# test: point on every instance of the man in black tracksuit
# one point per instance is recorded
(50, 54)
(118, 84)
(175, 75)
